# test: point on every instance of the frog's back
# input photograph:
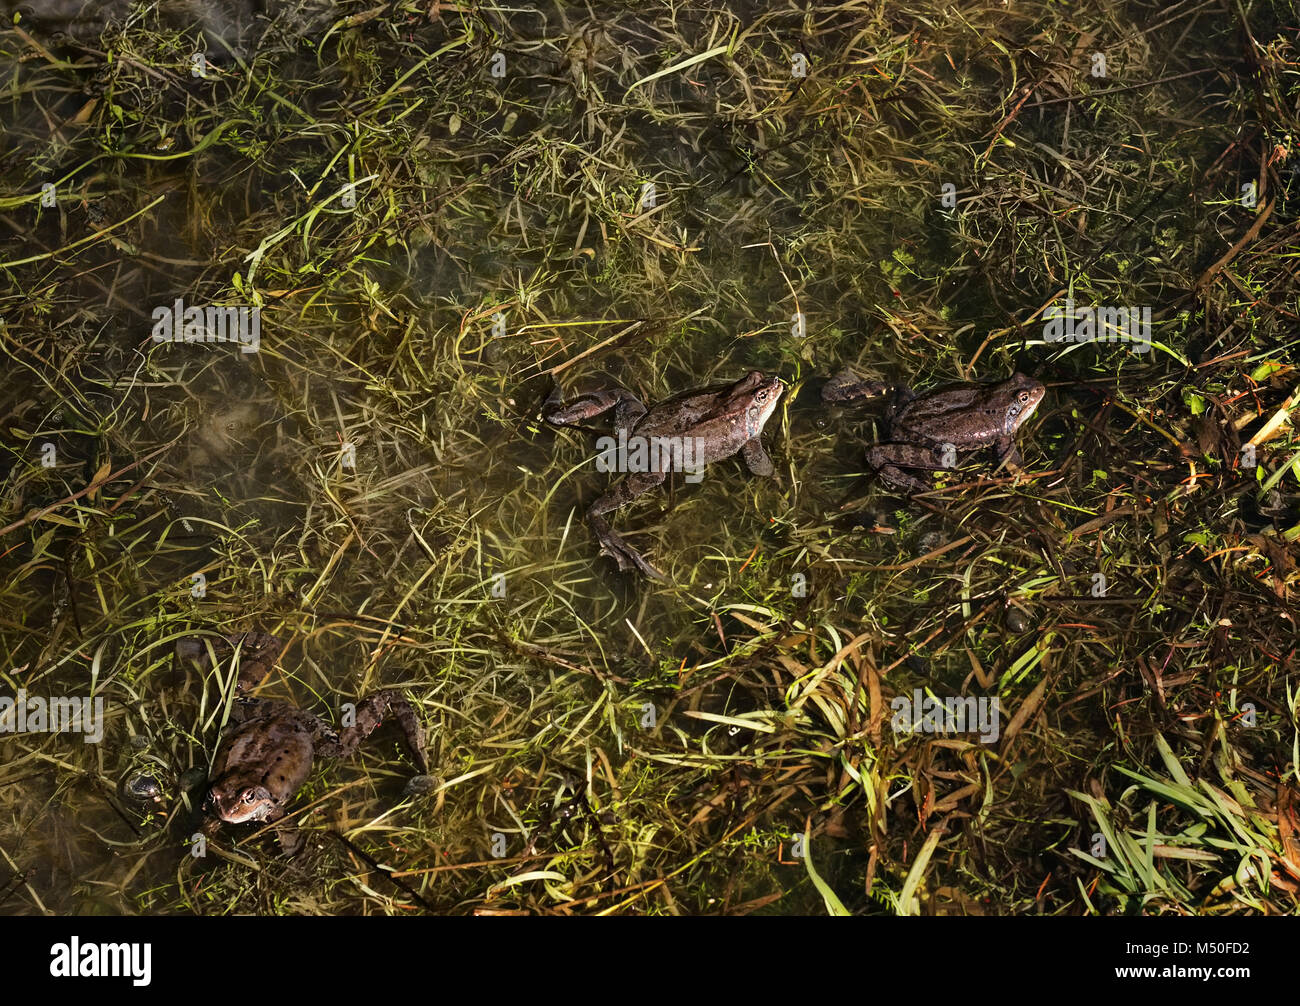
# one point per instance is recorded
(275, 750)
(970, 415)
(699, 418)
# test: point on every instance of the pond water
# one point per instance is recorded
(433, 217)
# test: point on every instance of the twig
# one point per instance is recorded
(110, 477)
(384, 870)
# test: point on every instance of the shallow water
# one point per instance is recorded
(373, 483)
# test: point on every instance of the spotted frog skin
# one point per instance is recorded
(718, 422)
(919, 427)
(267, 754)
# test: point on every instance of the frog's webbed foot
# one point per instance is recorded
(370, 713)
(756, 459)
(847, 386)
(612, 544)
(628, 410)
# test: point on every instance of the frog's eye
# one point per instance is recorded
(1024, 396)
(249, 796)
(761, 396)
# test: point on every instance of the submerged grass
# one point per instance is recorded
(432, 247)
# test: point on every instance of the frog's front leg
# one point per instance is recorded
(1009, 454)
(756, 459)
(610, 543)
(370, 713)
(628, 410)
(289, 835)
(291, 839)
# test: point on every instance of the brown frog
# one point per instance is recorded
(684, 433)
(925, 431)
(267, 753)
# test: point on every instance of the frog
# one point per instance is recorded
(268, 755)
(686, 432)
(225, 434)
(268, 751)
(920, 429)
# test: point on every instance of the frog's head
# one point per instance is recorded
(237, 803)
(1022, 397)
(755, 396)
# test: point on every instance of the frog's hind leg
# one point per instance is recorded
(898, 479)
(889, 462)
(612, 544)
(370, 713)
(847, 386)
(628, 410)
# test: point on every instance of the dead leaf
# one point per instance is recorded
(1287, 825)
(87, 110)
(100, 478)
(1026, 710)
(1280, 418)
